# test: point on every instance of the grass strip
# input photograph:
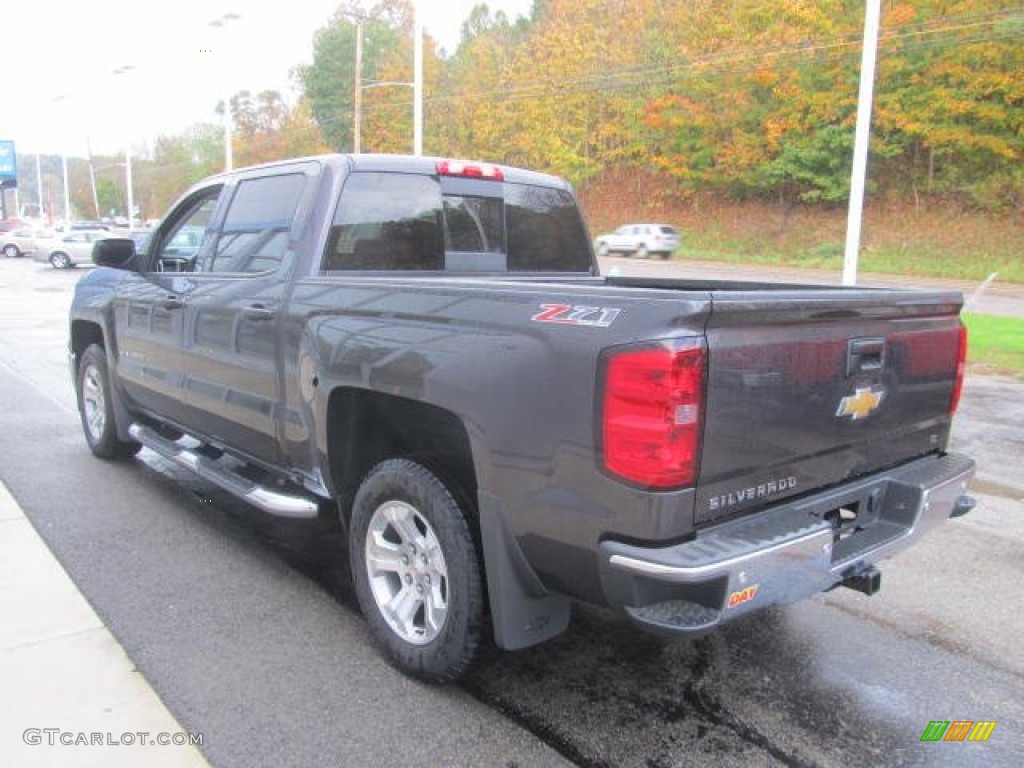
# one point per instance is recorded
(995, 342)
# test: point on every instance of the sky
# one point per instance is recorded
(107, 74)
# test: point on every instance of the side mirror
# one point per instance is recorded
(115, 252)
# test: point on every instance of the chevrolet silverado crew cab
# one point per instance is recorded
(426, 348)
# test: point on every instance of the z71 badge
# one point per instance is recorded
(567, 314)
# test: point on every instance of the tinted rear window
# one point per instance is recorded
(394, 221)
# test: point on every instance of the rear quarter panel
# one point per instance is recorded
(524, 389)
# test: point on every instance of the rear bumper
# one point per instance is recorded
(785, 553)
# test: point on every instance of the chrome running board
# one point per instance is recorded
(271, 501)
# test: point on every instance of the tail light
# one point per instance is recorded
(651, 413)
(961, 366)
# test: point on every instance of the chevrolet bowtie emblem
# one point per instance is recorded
(860, 404)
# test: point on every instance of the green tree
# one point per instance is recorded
(329, 82)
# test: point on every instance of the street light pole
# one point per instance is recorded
(221, 22)
(39, 183)
(64, 166)
(128, 190)
(128, 187)
(67, 192)
(416, 84)
(862, 137)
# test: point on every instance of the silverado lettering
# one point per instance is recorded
(763, 491)
(376, 337)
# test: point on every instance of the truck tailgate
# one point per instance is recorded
(808, 387)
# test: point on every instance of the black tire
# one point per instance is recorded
(92, 385)
(11, 251)
(640, 252)
(664, 255)
(423, 543)
(60, 260)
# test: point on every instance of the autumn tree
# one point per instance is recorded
(268, 129)
(951, 97)
(329, 82)
(745, 98)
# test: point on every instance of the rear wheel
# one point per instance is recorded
(416, 572)
(96, 409)
(60, 260)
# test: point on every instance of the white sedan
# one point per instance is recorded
(639, 240)
(21, 241)
(65, 251)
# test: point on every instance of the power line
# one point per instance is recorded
(910, 37)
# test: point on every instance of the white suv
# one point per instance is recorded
(639, 240)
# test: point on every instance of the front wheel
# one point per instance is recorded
(641, 252)
(61, 260)
(96, 408)
(416, 572)
(602, 249)
(11, 251)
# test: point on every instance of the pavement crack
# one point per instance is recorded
(701, 701)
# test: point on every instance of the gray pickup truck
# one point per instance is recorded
(426, 348)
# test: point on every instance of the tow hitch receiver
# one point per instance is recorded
(867, 579)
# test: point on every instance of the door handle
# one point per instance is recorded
(259, 312)
(865, 356)
(173, 302)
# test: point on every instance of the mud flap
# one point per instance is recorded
(523, 613)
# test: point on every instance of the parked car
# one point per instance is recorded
(67, 250)
(86, 224)
(141, 239)
(9, 225)
(639, 240)
(21, 241)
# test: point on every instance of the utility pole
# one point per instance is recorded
(417, 81)
(357, 92)
(360, 85)
(92, 181)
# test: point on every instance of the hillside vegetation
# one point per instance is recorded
(741, 99)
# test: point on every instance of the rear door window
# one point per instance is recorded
(386, 221)
(397, 221)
